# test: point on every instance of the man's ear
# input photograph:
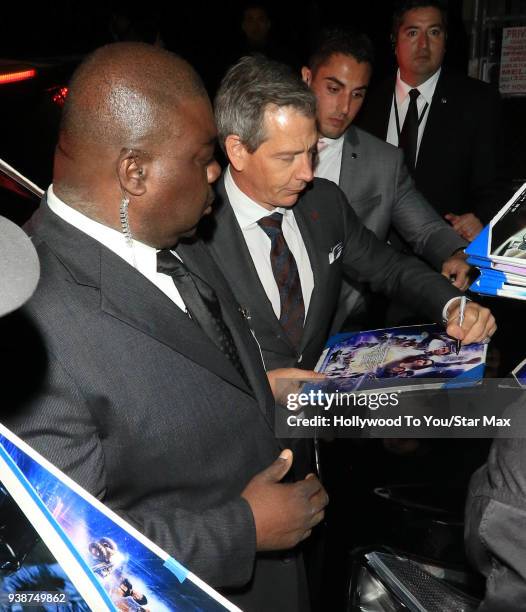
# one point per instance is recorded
(133, 169)
(306, 75)
(236, 152)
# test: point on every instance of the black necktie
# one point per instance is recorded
(202, 305)
(285, 270)
(409, 135)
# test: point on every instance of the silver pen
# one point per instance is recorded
(461, 320)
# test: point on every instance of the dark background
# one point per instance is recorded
(207, 34)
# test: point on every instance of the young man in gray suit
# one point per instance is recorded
(150, 390)
(370, 172)
(285, 240)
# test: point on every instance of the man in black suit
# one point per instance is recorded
(450, 131)
(285, 240)
(151, 393)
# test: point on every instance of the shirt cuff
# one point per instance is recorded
(445, 310)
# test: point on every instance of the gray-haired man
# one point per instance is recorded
(285, 240)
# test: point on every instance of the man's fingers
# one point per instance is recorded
(319, 501)
(305, 535)
(465, 285)
(309, 486)
(455, 331)
(457, 270)
(467, 225)
(317, 518)
(316, 375)
(484, 327)
(461, 282)
(478, 324)
(277, 470)
(462, 279)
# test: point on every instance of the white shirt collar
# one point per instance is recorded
(426, 89)
(331, 143)
(143, 256)
(247, 211)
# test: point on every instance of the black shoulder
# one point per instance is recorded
(321, 191)
(468, 87)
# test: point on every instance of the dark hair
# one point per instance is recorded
(252, 85)
(403, 6)
(344, 41)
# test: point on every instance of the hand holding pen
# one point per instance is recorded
(469, 322)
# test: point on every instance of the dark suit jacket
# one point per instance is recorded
(495, 525)
(325, 220)
(377, 184)
(139, 407)
(457, 161)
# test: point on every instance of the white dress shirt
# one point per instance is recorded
(427, 89)
(140, 256)
(329, 158)
(248, 213)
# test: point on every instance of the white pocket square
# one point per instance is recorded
(335, 252)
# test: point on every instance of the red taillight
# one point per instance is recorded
(20, 75)
(60, 95)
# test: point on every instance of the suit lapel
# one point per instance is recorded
(436, 121)
(134, 300)
(199, 262)
(317, 262)
(233, 257)
(348, 167)
(131, 298)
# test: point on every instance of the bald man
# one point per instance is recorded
(153, 395)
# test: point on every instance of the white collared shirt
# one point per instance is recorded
(141, 256)
(329, 158)
(248, 213)
(426, 89)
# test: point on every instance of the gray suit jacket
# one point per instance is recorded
(495, 525)
(326, 221)
(375, 180)
(138, 406)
